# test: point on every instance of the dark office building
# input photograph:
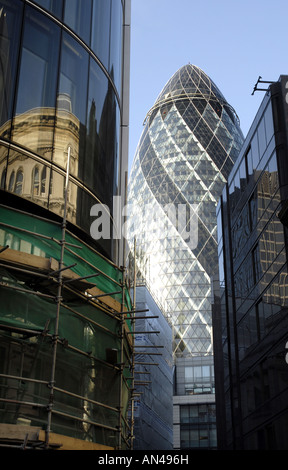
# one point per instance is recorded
(250, 319)
(64, 347)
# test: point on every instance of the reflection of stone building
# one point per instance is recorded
(34, 178)
(250, 311)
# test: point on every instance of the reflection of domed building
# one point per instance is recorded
(188, 146)
(65, 349)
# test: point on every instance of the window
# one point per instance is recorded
(116, 42)
(198, 426)
(43, 180)
(101, 30)
(10, 27)
(256, 264)
(3, 178)
(11, 182)
(198, 379)
(36, 96)
(19, 182)
(74, 76)
(35, 181)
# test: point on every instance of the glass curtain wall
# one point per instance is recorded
(61, 88)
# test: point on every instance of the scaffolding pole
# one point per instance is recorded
(133, 355)
(59, 299)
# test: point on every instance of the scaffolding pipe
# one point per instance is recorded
(89, 320)
(59, 293)
(90, 297)
(133, 355)
(81, 278)
(83, 420)
(27, 291)
(122, 331)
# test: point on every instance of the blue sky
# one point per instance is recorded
(232, 41)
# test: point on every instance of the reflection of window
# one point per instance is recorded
(3, 179)
(19, 182)
(11, 181)
(256, 264)
(198, 426)
(43, 180)
(35, 181)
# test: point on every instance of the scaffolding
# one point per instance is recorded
(67, 350)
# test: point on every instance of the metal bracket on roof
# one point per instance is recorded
(260, 89)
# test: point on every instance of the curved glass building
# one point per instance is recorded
(188, 146)
(63, 148)
(61, 76)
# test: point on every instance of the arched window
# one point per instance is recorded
(35, 181)
(43, 180)
(11, 181)
(3, 177)
(19, 182)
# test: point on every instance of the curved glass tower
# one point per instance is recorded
(188, 146)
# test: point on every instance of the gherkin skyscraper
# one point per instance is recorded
(190, 141)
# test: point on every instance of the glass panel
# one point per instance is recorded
(37, 84)
(3, 165)
(71, 105)
(206, 371)
(92, 170)
(255, 151)
(262, 137)
(55, 6)
(116, 42)
(74, 76)
(101, 30)
(269, 123)
(84, 220)
(35, 181)
(77, 15)
(99, 169)
(184, 414)
(11, 181)
(10, 27)
(19, 182)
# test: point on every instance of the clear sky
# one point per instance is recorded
(232, 41)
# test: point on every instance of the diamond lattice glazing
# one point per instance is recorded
(188, 146)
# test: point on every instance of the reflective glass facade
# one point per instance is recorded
(61, 81)
(188, 146)
(251, 308)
